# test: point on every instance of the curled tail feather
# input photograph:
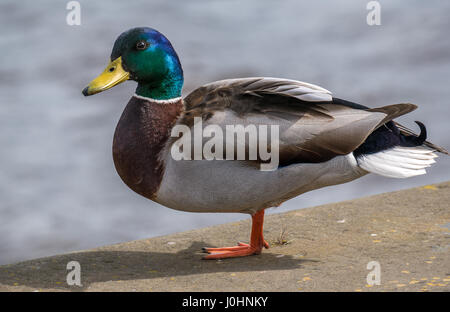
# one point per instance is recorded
(393, 150)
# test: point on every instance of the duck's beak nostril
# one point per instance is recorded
(112, 75)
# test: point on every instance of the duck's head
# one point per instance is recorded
(146, 56)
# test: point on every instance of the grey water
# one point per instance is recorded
(59, 191)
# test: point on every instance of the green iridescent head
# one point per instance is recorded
(146, 56)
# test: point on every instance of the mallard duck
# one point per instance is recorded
(322, 140)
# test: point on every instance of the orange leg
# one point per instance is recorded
(257, 242)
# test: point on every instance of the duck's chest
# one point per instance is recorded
(140, 136)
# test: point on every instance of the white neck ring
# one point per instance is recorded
(168, 101)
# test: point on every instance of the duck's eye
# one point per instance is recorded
(142, 45)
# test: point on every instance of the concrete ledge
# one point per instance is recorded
(325, 248)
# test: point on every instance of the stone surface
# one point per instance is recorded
(324, 248)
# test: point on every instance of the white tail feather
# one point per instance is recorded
(398, 162)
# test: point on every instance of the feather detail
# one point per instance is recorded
(312, 127)
(262, 86)
(398, 162)
(408, 132)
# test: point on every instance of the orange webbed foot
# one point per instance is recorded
(231, 252)
(257, 242)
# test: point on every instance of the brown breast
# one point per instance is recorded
(140, 136)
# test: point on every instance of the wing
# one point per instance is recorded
(312, 127)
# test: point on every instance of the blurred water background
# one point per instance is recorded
(59, 190)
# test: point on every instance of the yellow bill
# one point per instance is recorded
(111, 76)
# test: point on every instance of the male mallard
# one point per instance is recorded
(322, 140)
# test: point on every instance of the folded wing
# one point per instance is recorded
(312, 126)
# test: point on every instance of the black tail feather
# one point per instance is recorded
(419, 140)
(407, 132)
(389, 136)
